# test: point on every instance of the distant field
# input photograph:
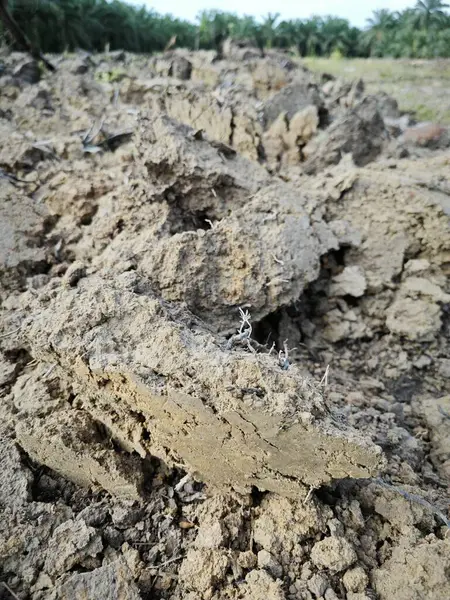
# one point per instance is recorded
(420, 86)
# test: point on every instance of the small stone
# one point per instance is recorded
(110, 582)
(267, 561)
(355, 398)
(36, 282)
(247, 560)
(422, 362)
(125, 515)
(417, 266)
(132, 558)
(94, 515)
(355, 580)
(15, 478)
(68, 442)
(74, 273)
(28, 72)
(202, 569)
(210, 535)
(318, 585)
(333, 553)
(336, 527)
(43, 582)
(261, 586)
(424, 134)
(351, 282)
(330, 594)
(444, 367)
(306, 571)
(113, 537)
(72, 543)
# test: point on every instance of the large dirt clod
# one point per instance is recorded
(23, 229)
(264, 426)
(290, 100)
(360, 132)
(110, 582)
(226, 217)
(69, 443)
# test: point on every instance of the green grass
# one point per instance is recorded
(419, 86)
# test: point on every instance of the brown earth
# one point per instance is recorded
(224, 333)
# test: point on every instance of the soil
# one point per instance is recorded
(224, 333)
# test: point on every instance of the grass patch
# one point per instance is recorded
(419, 86)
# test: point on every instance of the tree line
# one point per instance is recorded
(54, 26)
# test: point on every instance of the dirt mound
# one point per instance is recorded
(395, 276)
(360, 132)
(224, 334)
(207, 202)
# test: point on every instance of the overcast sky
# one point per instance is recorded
(356, 11)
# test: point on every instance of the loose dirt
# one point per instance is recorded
(224, 333)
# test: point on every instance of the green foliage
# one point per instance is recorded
(65, 25)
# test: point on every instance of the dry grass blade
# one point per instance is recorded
(4, 335)
(9, 590)
(414, 498)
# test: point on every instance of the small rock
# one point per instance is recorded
(330, 594)
(113, 537)
(110, 582)
(68, 442)
(333, 553)
(351, 282)
(417, 265)
(415, 319)
(318, 585)
(201, 570)
(15, 479)
(80, 67)
(43, 582)
(306, 571)
(290, 100)
(132, 558)
(94, 515)
(247, 560)
(117, 55)
(126, 515)
(74, 273)
(444, 367)
(261, 586)
(422, 362)
(210, 535)
(359, 130)
(425, 134)
(336, 527)
(355, 580)
(71, 544)
(267, 561)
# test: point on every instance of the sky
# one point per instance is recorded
(356, 11)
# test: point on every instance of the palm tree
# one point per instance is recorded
(431, 13)
(313, 33)
(335, 33)
(381, 29)
(268, 28)
(382, 20)
(56, 25)
(10, 24)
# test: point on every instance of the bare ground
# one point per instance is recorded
(224, 333)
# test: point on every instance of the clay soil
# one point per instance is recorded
(224, 333)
